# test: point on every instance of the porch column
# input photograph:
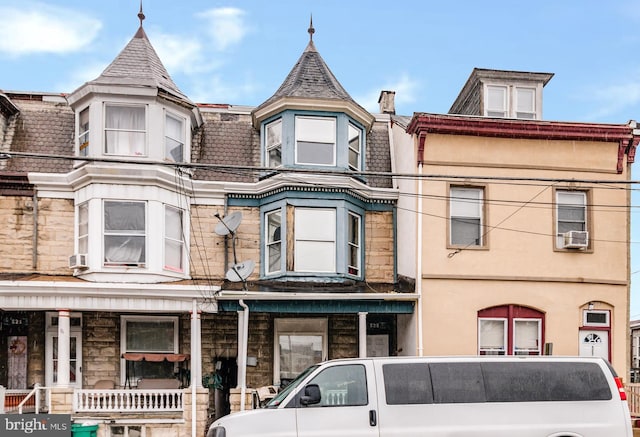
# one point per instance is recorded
(64, 349)
(362, 334)
(196, 347)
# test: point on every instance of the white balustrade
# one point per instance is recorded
(132, 400)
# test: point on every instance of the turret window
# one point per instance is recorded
(274, 144)
(316, 140)
(83, 132)
(174, 138)
(125, 130)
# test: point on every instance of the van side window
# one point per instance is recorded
(457, 383)
(407, 383)
(531, 382)
(342, 386)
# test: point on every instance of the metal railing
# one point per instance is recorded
(128, 401)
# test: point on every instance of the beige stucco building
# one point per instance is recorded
(522, 225)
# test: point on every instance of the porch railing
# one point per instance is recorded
(633, 398)
(128, 401)
(23, 401)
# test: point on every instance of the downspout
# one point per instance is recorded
(242, 365)
(419, 247)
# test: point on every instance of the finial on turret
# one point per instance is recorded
(311, 30)
(141, 14)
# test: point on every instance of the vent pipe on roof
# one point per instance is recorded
(387, 102)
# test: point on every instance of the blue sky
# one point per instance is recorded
(239, 52)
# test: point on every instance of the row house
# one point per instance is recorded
(163, 259)
(521, 225)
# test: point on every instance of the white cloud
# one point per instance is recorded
(215, 90)
(39, 28)
(86, 72)
(226, 26)
(404, 87)
(179, 53)
(615, 98)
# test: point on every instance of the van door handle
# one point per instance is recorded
(372, 418)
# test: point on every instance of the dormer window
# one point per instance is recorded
(273, 144)
(315, 140)
(125, 130)
(174, 138)
(511, 101)
(83, 131)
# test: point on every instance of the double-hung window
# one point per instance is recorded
(274, 144)
(525, 103)
(173, 239)
(571, 213)
(466, 210)
(496, 104)
(315, 140)
(353, 241)
(158, 334)
(83, 228)
(273, 241)
(125, 130)
(83, 132)
(174, 138)
(124, 233)
(355, 145)
(492, 336)
(315, 240)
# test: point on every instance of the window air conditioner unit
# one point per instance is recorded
(78, 261)
(576, 240)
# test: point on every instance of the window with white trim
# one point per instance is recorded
(496, 102)
(83, 132)
(298, 343)
(466, 215)
(525, 103)
(571, 213)
(142, 334)
(355, 145)
(173, 239)
(510, 330)
(174, 138)
(124, 233)
(273, 241)
(353, 240)
(315, 140)
(125, 130)
(315, 240)
(83, 228)
(274, 144)
(596, 318)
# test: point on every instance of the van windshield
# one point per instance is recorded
(277, 400)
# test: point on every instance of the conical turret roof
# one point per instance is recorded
(138, 64)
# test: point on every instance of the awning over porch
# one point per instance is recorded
(155, 357)
(336, 306)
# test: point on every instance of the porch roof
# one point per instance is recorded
(332, 306)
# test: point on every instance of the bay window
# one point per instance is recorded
(315, 140)
(124, 233)
(174, 138)
(83, 132)
(315, 240)
(355, 140)
(83, 228)
(125, 130)
(274, 144)
(353, 240)
(173, 239)
(273, 242)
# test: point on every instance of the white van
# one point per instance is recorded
(454, 396)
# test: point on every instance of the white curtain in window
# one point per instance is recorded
(492, 334)
(125, 130)
(526, 335)
(124, 228)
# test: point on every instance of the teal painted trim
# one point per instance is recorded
(321, 306)
(293, 195)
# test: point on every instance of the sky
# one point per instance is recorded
(239, 52)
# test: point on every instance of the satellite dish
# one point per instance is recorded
(229, 224)
(241, 271)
